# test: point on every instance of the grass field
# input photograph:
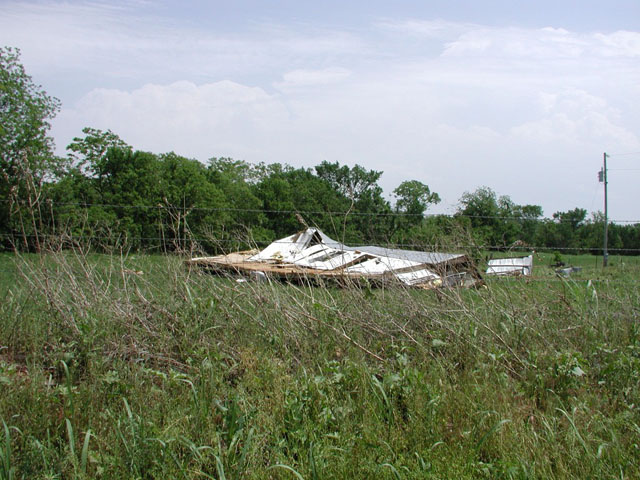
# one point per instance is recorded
(134, 367)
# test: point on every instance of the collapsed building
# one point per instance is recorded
(310, 255)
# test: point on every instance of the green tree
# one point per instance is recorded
(192, 206)
(481, 210)
(130, 185)
(414, 197)
(237, 180)
(323, 204)
(569, 224)
(630, 238)
(26, 150)
(412, 200)
(85, 153)
(370, 220)
(529, 217)
(276, 195)
(77, 200)
(572, 218)
(76, 208)
(353, 183)
(238, 171)
(565, 230)
(498, 221)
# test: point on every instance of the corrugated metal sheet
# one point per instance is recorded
(379, 265)
(430, 258)
(417, 277)
(510, 266)
(327, 258)
(286, 249)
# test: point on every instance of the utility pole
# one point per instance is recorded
(602, 176)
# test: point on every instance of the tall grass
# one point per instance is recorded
(132, 366)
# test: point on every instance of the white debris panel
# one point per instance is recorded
(510, 266)
(312, 253)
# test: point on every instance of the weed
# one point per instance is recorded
(184, 375)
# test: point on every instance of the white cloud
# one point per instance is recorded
(576, 117)
(622, 43)
(435, 29)
(222, 118)
(544, 44)
(454, 104)
(310, 78)
(129, 42)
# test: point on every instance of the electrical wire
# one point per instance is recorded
(312, 212)
(252, 242)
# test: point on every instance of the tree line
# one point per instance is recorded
(109, 194)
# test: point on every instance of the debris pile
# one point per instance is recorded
(312, 255)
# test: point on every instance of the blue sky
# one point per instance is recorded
(580, 15)
(520, 96)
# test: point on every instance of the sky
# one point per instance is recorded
(521, 96)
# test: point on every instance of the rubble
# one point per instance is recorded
(312, 255)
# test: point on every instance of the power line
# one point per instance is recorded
(312, 212)
(622, 154)
(248, 241)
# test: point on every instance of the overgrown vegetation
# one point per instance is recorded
(134, 367)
